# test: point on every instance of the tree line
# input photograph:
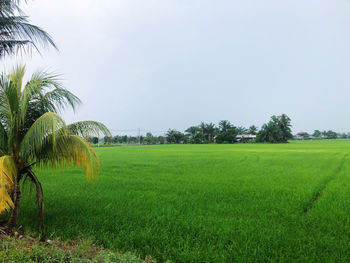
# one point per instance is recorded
(317, 134)
(277, 130)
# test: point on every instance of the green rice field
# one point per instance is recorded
(208, 203)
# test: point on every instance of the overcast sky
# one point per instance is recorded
(159, 64)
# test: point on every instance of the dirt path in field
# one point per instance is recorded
(319, 190)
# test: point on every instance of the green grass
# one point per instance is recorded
(24, 249)
(208, 203)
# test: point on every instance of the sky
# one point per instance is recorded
(160, 64)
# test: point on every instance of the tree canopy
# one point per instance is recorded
(277, 130)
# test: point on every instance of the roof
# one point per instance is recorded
(248, 136)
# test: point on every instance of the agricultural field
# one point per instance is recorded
(207, 203)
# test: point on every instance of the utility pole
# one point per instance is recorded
(139, 136)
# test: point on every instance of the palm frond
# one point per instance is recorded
(17, 28)
(5, 110)
(45, 129)
(73, 151)
(57, 99)
(9, 7)
(16, 79)
(3, 140)
(7, 179)
(87, 129)
(8, 96)
(45, 93)
(8, 47)
(16, 33)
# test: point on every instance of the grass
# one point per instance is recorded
(25, 249)
(208, 203)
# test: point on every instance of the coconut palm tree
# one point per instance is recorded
(33, 134)
(16, 33)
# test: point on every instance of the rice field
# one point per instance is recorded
(207, 203)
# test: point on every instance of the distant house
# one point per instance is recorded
(245, 137)
(303, 136)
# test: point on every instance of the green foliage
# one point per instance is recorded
(208, 131)
(227, 132)
(208, 203)
(93, 140)
(30, 250)
(317, 134)
(253, 130)
(195, 135)
(150, 139)
(33, 134)
(174, 136)
(241, 130)
(331, 135)
(161, 140)
(16, 33)
(107, 139)
(277, 130)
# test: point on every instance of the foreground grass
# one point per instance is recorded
(209, 203)
(27, 249)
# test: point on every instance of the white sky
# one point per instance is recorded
(159, 64)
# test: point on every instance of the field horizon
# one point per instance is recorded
(207, 203)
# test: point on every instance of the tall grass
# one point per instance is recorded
(208, 203)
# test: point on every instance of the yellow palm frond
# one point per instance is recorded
(45, 129)
(71, 150)
(82, 155)
(7, 180)
(87, 129)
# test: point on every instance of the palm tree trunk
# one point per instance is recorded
(15, 211)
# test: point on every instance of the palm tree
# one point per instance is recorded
(253, 130)
(227, 132)
(33, 134)
(16, 33)
(241, 130)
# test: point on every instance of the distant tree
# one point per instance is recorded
(317, 134)
(277, 130)
(342, 135)
(331, 135)
(95, 140)
(161, 139)
(208, 131)
(149, 139)
(324, 134)
(133, 139)
(241, 130)
(227, 132)
(195, 135)
(124, 139)
(253, 130)
(285, 126)
(107, 140)
(174, 136)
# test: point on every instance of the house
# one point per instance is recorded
(245, 137)
(303, 136)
